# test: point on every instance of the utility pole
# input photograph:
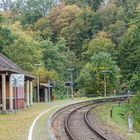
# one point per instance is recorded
(104, 85)
(37, 66)
(49, 92)
(105, 82)
(71, 75)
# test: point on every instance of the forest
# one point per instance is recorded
(98, 39)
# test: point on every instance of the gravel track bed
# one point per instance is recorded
(77, 125)
(58, 123)
(78, 128)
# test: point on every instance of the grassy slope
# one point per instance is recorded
(118, 122)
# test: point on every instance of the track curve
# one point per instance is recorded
(67, 126)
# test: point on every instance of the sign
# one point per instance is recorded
(17, 80)
(68, 84)
(130, 124)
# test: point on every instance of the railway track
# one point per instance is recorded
(71, 123)
(93, 128)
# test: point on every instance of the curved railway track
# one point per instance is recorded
(93, 128)
(71, 123)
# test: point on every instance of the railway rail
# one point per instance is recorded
(93, 128)
(71, 122)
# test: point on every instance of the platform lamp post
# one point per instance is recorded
(37, 66)
(71, 75)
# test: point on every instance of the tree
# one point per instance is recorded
(107, 14)
(129, 51)
(1, 19)
(42, 28)
(6, 37)
(24, 50)
(93, 4)
(116, 31)
(30, 11)
(134, 83)
(101, 43)
(62, 16)
(93, 73)
(55, 56)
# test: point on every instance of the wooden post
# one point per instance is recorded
(31, 93)
(11, 96)
(111, 112)
(27, 93)
(4, 93)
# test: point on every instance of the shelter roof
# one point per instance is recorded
(6, 65)
(45, 85)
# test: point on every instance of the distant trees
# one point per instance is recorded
(101, 43)
(92, 76)
(6, 37)
(129, 51)
(24, 50)
(129, 57)
(93, 4)
(68, 34)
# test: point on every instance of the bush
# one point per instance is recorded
(135, 110)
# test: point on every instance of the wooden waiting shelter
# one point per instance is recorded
(45, 92)
(7, 96)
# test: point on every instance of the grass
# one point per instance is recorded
(118, 122)
(16, 126)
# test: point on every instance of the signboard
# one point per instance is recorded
(17, 80)
(68, 84)
(130, 124)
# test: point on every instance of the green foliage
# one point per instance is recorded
(6, 38)
(117, 30)
(57, 57)
(1, 19)
(135, 111)
(93, 74)
(107, 14)
(93, 4)
(24, 50)
(135, 82)
(70, 35)
(102, 43)
(129, 52)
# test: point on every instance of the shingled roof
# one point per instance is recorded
(6, 65)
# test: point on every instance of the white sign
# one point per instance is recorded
(17, 80)
(130, 124)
